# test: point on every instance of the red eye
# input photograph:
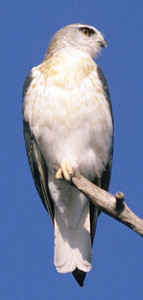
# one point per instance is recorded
(86, 31)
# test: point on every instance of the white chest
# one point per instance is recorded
(71, 122)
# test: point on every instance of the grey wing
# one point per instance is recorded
(36, 161)
(105, 179)
(39, 170)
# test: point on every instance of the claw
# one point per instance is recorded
(65, 171)
(59, 174)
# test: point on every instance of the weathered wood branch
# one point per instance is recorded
(109, 204)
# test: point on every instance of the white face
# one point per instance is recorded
(82, 37)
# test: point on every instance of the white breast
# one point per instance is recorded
(71, 121)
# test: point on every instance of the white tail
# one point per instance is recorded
(72, 245)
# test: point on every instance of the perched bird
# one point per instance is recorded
(68, 126)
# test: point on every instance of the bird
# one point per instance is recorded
(68, 127)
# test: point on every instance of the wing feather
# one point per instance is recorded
(104, 181)
(39, 170)
(36, 161)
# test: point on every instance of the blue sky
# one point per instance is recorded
(26, 233)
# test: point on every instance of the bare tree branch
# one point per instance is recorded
(109, 204)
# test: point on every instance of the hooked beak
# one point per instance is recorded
(103, 43)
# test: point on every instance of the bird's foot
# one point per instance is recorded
(65, 171)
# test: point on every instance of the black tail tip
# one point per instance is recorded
(79, 276)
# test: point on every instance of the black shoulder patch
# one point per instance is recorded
(27, 83)
(104, 86)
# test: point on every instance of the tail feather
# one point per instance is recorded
(73, 246)
(79, 276)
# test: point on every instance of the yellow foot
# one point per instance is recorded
(65, 171)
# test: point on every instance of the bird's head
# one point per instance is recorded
(77, 36)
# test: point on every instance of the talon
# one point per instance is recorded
(65, 172)
(59, 174)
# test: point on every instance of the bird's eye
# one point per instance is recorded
(86, 31)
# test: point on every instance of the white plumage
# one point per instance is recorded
(67, 109)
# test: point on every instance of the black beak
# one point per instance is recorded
(103, 44)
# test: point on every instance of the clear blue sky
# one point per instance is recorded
(26, 233)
